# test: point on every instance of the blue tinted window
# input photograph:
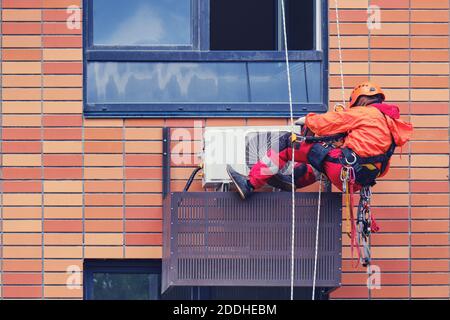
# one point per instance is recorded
(205, 82)
(142, 22)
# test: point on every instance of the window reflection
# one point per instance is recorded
(121, 286)
(142, 22)
(208, 82)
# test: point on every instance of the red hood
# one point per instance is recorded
(390, 110)
(401, 130)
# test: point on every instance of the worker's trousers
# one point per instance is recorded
(274, 160)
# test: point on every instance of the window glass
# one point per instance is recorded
(243, 24)
(300, 24)
(207, 82)
(121, 286)
(142, 22)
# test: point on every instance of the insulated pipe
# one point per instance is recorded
(191, 179)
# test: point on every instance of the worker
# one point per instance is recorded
(373, 129)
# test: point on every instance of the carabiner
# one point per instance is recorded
(353, 161)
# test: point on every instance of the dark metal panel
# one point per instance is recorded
(166, 161)
(216, 239)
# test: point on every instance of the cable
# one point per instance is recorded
(316, 250)
(291, 110)
(191, 178)
(341, 64)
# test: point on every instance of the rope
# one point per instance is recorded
(291, 110)
(316, 250)
(341, 64)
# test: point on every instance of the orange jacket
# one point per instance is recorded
(369, 130)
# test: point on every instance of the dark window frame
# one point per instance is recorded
(127, 266)
(199, 52)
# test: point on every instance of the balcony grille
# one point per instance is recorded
(216, 239)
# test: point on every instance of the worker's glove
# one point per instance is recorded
(301, 121)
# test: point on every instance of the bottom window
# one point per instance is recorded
(122, 280)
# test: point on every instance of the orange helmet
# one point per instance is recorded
(365, 89)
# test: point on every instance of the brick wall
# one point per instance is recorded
(409, 56)
(75, 188)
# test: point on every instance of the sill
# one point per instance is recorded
(200, 111)
(180, 55)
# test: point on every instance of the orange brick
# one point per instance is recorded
(22, 239)
(19, 252)
(101, 239)
(103, 134)
(104, 212)
(429, 16)
(22, 292)
(104, 252)
(25, 265)
(21, 15)
(104, 199)
(143, 134)
(21, 41)
(103, 186)
(62, 4)
(27, 28)
(429, 4)
(25, 4)
(103, 226)
(63, 199)
(63, 213)
(21, 55)
(66, 239)
(429, 279)
(430, 291)
(141, 252)
(62, 252)
(63, 226)
(429, 226)
(143, 226)
(103, 160)
(62, 94)
(52, 265)
(394, 292)
(103, 173)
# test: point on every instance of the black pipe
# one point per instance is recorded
(191, 178)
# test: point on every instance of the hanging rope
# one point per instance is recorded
(291, 110)
(341, 64)
(316, 250)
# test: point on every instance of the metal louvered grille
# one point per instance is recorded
(216, 239)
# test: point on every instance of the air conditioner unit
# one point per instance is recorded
(240, 147)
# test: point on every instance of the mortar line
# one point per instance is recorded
(1, 151)
(409, 154)
(42, 153)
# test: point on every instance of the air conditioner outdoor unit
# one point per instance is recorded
(239, 147)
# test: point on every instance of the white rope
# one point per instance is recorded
(341, 64)
(316, 251)
(291, 109)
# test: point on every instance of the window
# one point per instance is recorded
(257, 24)
(200, 58)
(122, 280)
(243, 25)
(142, 23)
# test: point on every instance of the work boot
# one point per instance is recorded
(241, 182)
